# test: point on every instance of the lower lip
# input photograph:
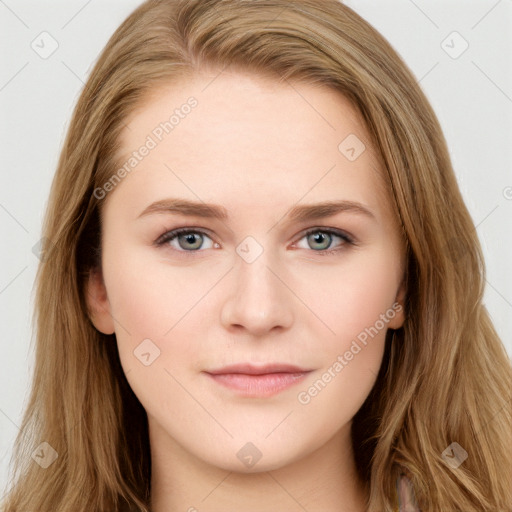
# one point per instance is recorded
(258, 385)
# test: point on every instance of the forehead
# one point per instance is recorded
(248, 138)
(231, 102)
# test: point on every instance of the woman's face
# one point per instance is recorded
(296, 295)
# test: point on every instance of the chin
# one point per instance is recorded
(262, 456)
(262, 466)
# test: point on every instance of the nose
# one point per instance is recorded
(258, 301)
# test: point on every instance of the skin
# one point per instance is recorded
(257, 148)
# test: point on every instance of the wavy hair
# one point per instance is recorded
(445, 377)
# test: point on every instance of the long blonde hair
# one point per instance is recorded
(445, 377)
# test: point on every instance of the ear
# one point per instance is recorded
(399, 307)
(98, 304)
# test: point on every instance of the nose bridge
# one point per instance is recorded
(257, 300)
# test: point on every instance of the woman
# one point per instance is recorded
(197, 349)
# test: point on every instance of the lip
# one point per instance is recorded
(258, 381)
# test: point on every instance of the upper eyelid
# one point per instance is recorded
(173, 233)
(191, 229)
(335, 231)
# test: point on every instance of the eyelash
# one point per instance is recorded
(347, 240)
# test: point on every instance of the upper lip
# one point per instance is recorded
(250, 369)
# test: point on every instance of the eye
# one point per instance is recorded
(321, 239)
(185, 239)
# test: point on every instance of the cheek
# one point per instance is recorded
(149, 296)
(151, 299)
(357, 305)
(351, 299)
(158, 303)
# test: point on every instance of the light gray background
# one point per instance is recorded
(472, 95)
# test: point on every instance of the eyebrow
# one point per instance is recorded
(298, 213)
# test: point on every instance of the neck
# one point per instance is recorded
(325, 479)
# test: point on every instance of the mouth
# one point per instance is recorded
(258, 381)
